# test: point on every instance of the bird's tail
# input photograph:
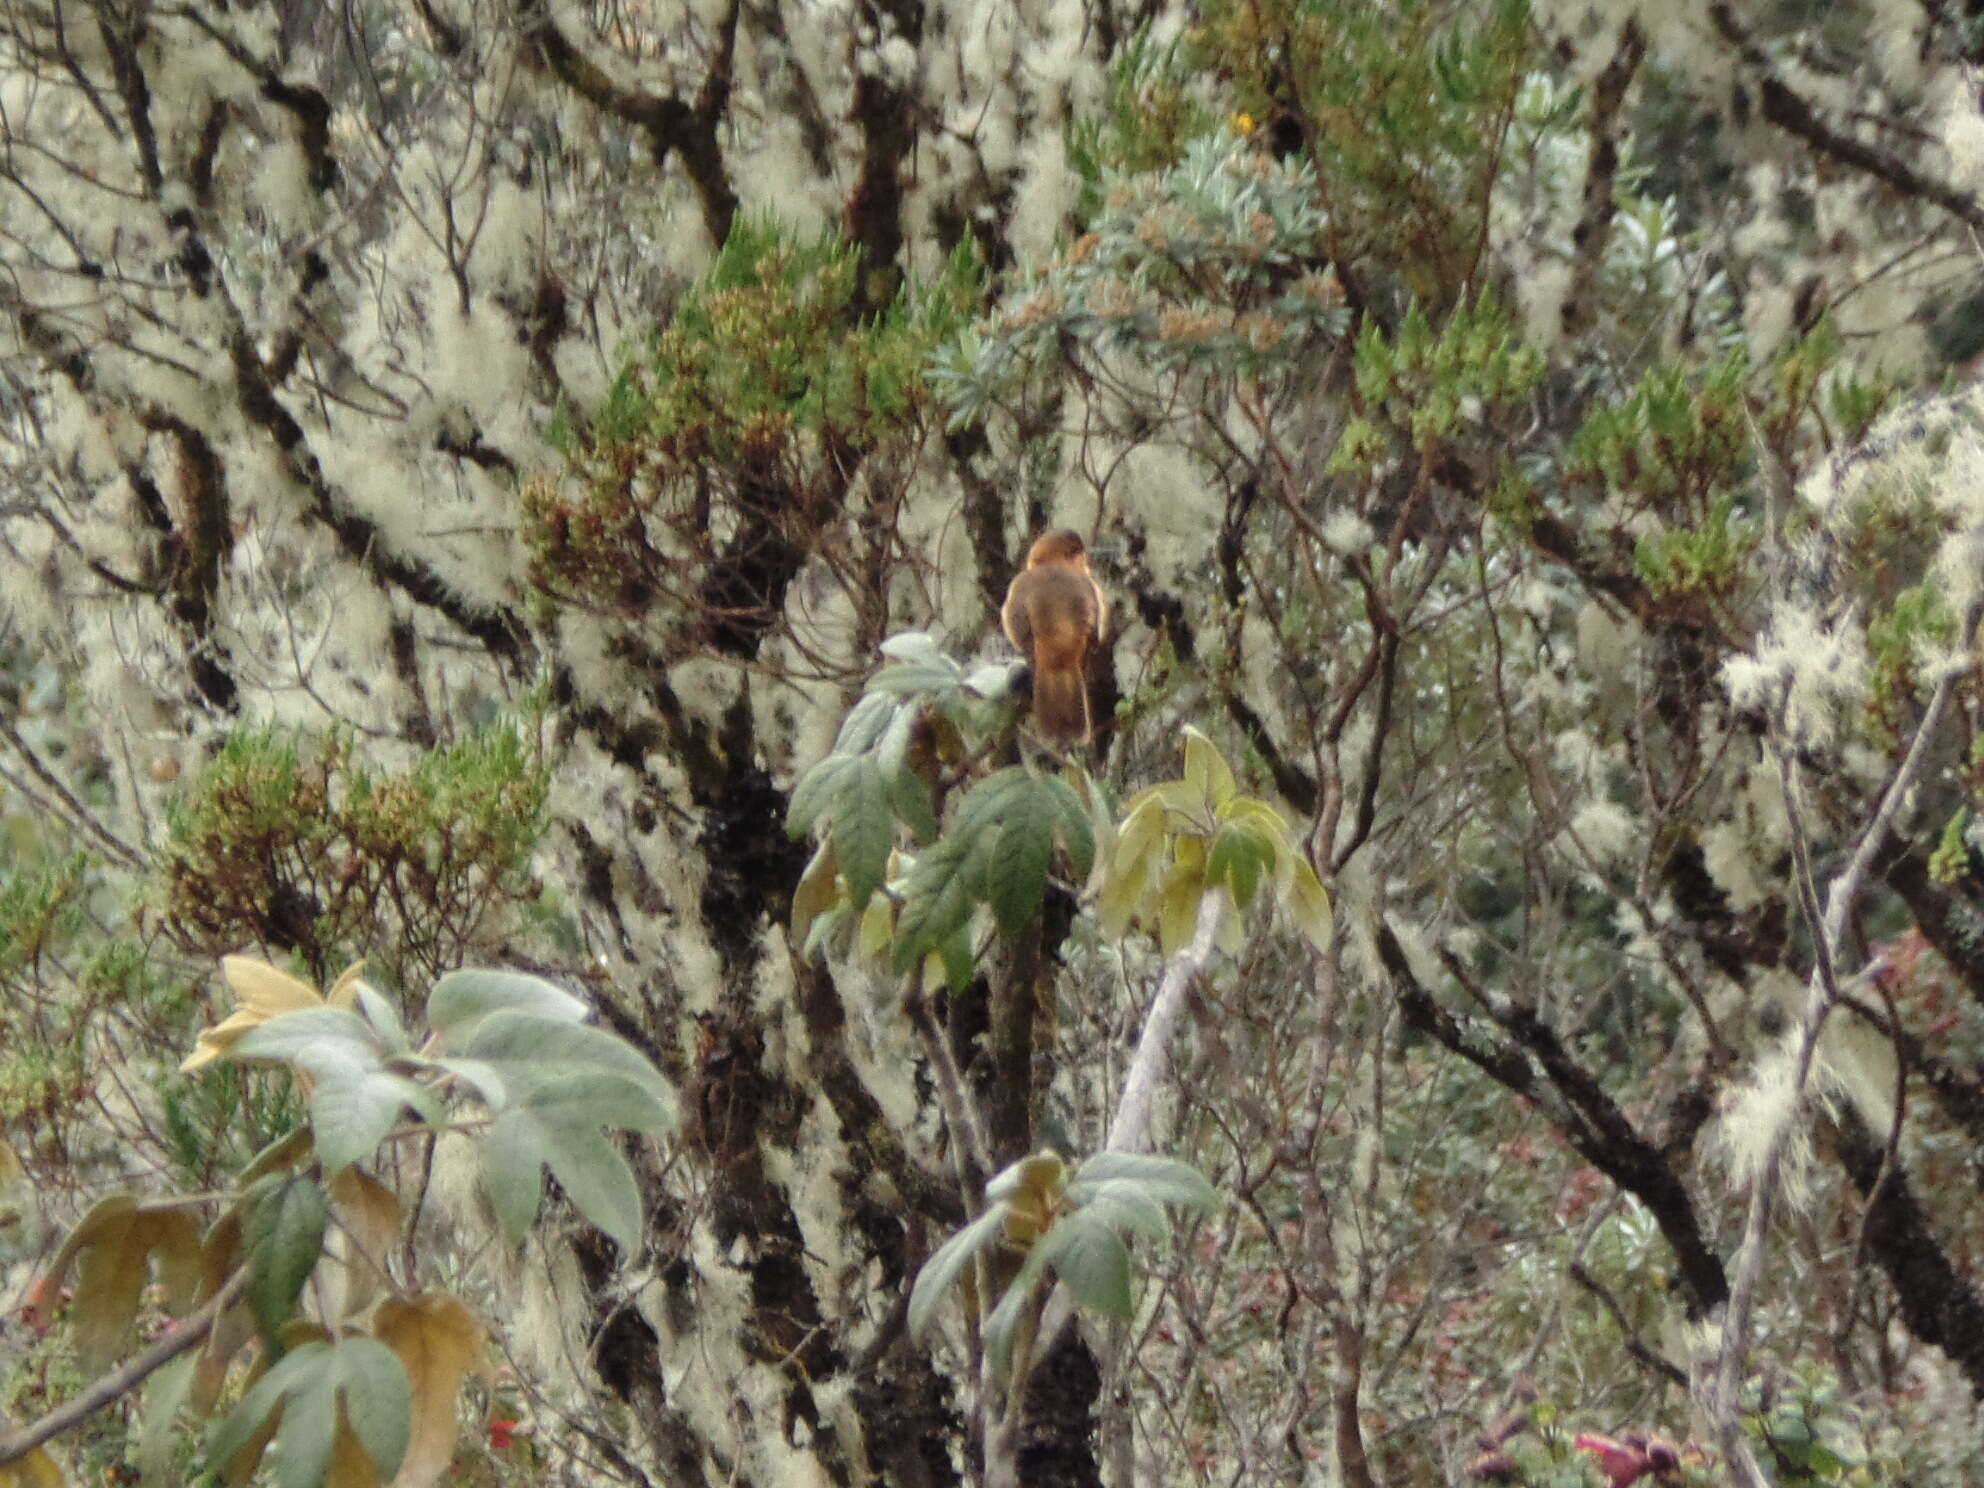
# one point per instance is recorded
(1060, 703)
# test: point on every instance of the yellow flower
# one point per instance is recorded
(1243, 123)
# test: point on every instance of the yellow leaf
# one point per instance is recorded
(1178, 908)
(439, 1341)
(1140, 833)
(1309, 905)
(262, 992)
(368, 1215)
(1121, 893)
(172, 1237)
(36, 1470)
(110, 1280)
(344, 991)
(233, 1331)
(16, 1194)
(878, 927)
(1206, 770)
(351, 1465)
(817, 890)
(265, 989)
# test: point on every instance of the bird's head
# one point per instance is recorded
(1062, 545)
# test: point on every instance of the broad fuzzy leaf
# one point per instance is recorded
(377, 1399)
(591, 1170)
(1088, 1254)
(532, 1054)
(460, 998)
(1164, 1178)
(941, 1272)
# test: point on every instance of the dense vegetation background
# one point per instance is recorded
(461, 460)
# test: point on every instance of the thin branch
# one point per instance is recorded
(1130, 1130)
(1719, 1378)
(127, 1376)
(1793, 113)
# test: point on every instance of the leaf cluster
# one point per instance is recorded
(360, 1384)
(1426, 383)
(1396, 105)
(1214, 265)
(900, 754)
(1071, 1224)
(759, 393)
(1184, 839)
(290, 842)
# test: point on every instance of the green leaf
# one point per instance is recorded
(288, 1036)
(239, 1428)
(384, 1018)
(309, 1427)
(865, 723)
(532, 1054)
(939, 894)
(1017, 877)
(958, 962)
(816, 790)
(1237, 860)
(1000, 1326)
(988, 801)
(909, 794)
(462, 997)
(591, 1170)
(1077, 827)
(864, 830)
(1092, 1259)
(941, 1272)
(914, 646)
(1164, 1178)
(1123, 1204)
(355, 1104)
(165, 1393)
(512, 1170)
(378, 1400)
(905, 681)
(282, 1235)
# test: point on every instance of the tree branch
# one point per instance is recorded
(127, 1376)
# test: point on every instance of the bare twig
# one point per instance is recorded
(1719, 1376)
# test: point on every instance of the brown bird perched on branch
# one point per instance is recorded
(1055, 612)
